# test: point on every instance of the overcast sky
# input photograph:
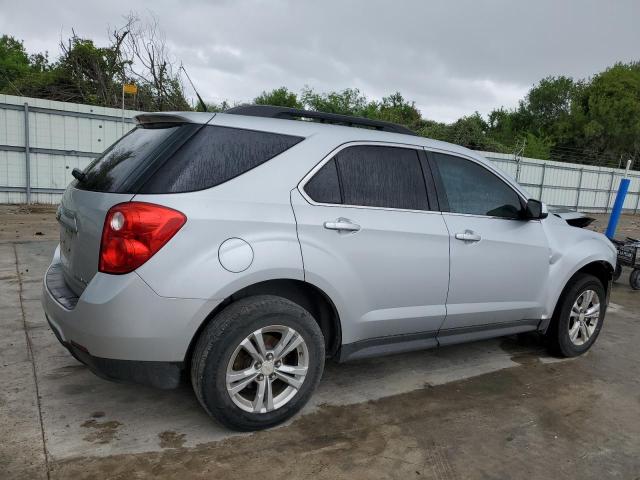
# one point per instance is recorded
(451, 57)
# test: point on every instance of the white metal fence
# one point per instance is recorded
(41, 141)
(580, 187)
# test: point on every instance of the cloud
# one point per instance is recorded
(452, 58)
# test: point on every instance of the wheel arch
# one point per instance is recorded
(601, 269)
(310, 297)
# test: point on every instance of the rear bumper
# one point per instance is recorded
(165, 375)
(121, 328)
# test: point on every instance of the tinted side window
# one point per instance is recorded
(324, 186)
(382, 177)
(472, 189)
(215, 155)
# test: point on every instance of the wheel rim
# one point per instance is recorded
(584, 317)
(267, 369)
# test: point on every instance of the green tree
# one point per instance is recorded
(14, 64)
(280, 97)
(347, 102)
(537, 147)
(606, 112)
(23, 74)
(472, 132)
(504, 125)
(434, 130)
(547, 104)
(350, 101)
(395, 108)
(544, 113)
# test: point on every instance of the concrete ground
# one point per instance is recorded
(487, 410)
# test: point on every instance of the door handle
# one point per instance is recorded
(342, 225)
(468, 236)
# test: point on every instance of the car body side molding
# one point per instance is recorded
(393, 344)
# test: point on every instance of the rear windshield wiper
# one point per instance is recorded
(79, 174)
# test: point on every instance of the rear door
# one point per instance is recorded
(499, 262)
(371, 240)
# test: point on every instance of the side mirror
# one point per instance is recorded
(535, 210)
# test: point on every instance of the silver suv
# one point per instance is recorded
(242, 249)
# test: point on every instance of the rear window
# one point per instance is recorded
(371, 176)
(114, 170)
(389, 177)
(215, 155)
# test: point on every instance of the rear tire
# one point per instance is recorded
(578, 318)
(257, 363)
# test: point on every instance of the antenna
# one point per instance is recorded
(204, 105)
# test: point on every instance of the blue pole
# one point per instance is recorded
(617, 207)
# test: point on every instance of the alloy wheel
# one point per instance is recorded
(267, 369)
(584, 317)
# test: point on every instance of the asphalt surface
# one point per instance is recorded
(489, 410)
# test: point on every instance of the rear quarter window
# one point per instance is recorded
(215, 155)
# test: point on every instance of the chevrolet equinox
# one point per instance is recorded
(242, 249)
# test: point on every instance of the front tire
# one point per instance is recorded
(257, 363)
(617, 272)
(578, 318)
(634, 279)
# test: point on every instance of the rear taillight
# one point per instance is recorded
(133, 232)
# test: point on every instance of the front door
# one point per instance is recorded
(499, 262)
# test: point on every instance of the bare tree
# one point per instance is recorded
(150, 64)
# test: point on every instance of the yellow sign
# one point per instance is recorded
(130, 88)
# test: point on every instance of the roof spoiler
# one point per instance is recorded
(169, 117)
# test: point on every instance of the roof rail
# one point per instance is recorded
(270, 111)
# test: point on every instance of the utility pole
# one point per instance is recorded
(122, 134)
(123, 77)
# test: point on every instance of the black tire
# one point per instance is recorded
(219, 340)
(557, 335)
(634, 279)
(617, 272)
